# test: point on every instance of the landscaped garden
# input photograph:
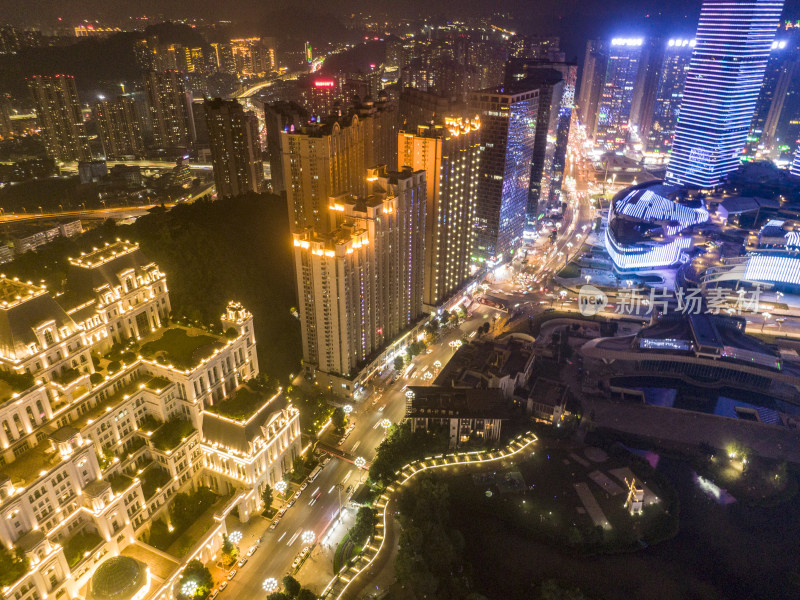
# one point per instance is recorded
(176, 347)
(13, 565)
(187, 521)
(80, 545)
(153, 478)
(242, 404)
(170, 434)
(11, 383)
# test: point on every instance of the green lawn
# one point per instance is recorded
(119, 482)
(11, 383)
(170, 434)
(153, 478)
(178, 348)
(157, 383)
(79, 544)
(241, 406)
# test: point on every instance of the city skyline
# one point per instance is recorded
(349, 302)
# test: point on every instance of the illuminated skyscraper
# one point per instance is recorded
(734, 39)
(170, 110)
(235, 148)
(659, 132)
(796, 164)
(120, 130)
(781, 67)
(450, 156)
(617, 94)
(360, 284)
(508, 132)
(329, 156)
(59, 115)
(592, 78)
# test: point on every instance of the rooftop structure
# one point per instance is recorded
(648, 227)
(465, 413)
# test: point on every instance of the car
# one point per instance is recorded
(296, 562)
(382, 408)
(213, 595)
(291, 503)
(340, 442)
(252, 550)
(305, 552)
(304, 486)
(223, 585)
(274, 524)
(349, 489)
(243, 562)
(297, 494)
(281, 512)
(232, 574)
(326, 460)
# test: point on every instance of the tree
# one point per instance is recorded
(399, 363)
(13, 564)
(266, 497)
(230, 551)
(198, 573)
(278, 596)
(338, 418)
(364, 526)
(306, 594)
(291, 586)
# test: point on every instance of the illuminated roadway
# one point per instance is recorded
(281, 545)
(114, 212)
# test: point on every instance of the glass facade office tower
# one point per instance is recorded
(734, 40)
(592, 78)
(508, 131)
(781, 67)
(616, 97)
(669, 93)
(59, 116)
(796, 164)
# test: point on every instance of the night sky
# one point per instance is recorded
(574, 20)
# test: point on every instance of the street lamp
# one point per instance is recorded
(360, 462)
(189, 588)
(563, 294)
(235, 537)
(308, 537)
(270, 585)
(386, 423)
(280, 487)
(767, 316)
(348, 408)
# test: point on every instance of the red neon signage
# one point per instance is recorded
(324, 83)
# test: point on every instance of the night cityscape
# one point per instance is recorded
(400, 301)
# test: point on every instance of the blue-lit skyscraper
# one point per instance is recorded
(796, 164)
(734, 39)
(508, 131)
(672, 78)
(616, 96)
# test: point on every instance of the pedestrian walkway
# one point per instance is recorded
(591, 505)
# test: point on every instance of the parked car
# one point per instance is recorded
(274, 524)
(232, 574)
(291, 503)
(252, 550)
(304, 486)
(213, 595)
(223, 585)
(243, 562)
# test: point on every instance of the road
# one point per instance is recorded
(114, 212)
(281, 545)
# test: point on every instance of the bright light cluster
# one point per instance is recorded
(681, 43)
(627, 41)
